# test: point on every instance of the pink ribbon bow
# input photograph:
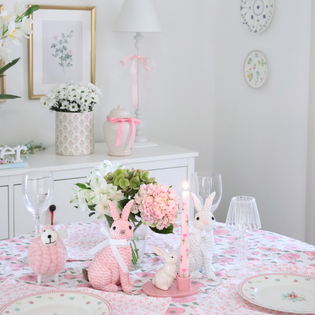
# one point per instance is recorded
(133, 71)
(121, 121)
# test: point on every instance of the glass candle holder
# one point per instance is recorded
(243, 216)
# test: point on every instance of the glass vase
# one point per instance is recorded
(138, 244)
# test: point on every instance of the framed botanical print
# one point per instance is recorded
(3, 79)
(62, 47)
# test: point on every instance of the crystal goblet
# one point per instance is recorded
(37, 193)
(242, 216)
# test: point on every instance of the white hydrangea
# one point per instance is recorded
(72, 97)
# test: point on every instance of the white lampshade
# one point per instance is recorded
(137, 16)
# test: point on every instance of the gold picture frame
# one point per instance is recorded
(33, 95)
(3, 79)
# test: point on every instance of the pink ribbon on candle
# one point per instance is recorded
(121, 121)
(133, 71)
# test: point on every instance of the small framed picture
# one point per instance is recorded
(62, 47)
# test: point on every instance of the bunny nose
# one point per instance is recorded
(49, 236)
(205, 222)
(122, 231)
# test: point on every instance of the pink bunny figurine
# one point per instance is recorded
(111, 266)
(47, 254)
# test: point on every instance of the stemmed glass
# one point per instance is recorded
(37, 193)
(242, 216)
(204, 183)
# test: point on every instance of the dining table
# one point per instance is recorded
(268, 253)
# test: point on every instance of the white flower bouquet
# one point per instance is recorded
(13, 27)
(72, 97)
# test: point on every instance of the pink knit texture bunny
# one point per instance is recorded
(105, 272)
(47, 254)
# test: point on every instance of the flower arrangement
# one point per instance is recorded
(72, 97)
(14, 26)
(155, 205)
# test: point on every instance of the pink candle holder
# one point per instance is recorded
(180, 288)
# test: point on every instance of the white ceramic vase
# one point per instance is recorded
(111, 133)
(74, 133)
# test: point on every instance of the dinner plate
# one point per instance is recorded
(281, 292)
(58, 303)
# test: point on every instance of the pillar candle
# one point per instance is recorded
(184, 244)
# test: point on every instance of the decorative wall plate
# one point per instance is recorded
(256, 15)
(58, 303)
(281, 292)
(256, 69)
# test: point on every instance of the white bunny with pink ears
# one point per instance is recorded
(201, 242)
(111, 266)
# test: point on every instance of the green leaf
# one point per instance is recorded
(82, 186)
(109, 219)
(168, 230)
(122, 203)
(124, 183)
(9, 65)
(91, 207)
(90, 214)
(30, 10)
(8, 97)
(135, 182)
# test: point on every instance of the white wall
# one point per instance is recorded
(181, 95)
(310, 197)
(261, 135)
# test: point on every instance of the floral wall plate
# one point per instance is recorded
(281, 292)
(256, 69)
(256, 15)
(58, 303)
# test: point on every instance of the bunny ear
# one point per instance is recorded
(209, 201)
(159, 251)
(196, 202)
(113, 211)
(126, 210)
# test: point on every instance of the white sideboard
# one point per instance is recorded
(169, 164)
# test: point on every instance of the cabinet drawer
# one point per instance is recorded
(65, 212)
(4, 213)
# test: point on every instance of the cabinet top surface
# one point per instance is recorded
(50, 161)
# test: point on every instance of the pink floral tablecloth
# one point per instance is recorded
(268, 252)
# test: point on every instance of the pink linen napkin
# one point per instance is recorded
(121, 303)
(225, 300)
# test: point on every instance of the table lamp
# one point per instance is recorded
(138, 16)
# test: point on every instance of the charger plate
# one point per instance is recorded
(284, 292)
(58, 303)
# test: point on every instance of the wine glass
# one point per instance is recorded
(204, 183)
(37, 193)
(242, 216)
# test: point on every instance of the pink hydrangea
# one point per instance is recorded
(157, 204)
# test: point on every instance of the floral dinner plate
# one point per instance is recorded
(58, 303)
(281, 292)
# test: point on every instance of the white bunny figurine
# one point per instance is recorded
(201, 242)
(165, 276)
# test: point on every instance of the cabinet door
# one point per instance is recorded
(65, 212)
(174, 177)
(4, 213)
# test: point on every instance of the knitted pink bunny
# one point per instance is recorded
(47, 254)
(111, 266)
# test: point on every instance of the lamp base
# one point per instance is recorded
(174, 291)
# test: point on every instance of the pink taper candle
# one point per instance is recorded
(184, 244)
